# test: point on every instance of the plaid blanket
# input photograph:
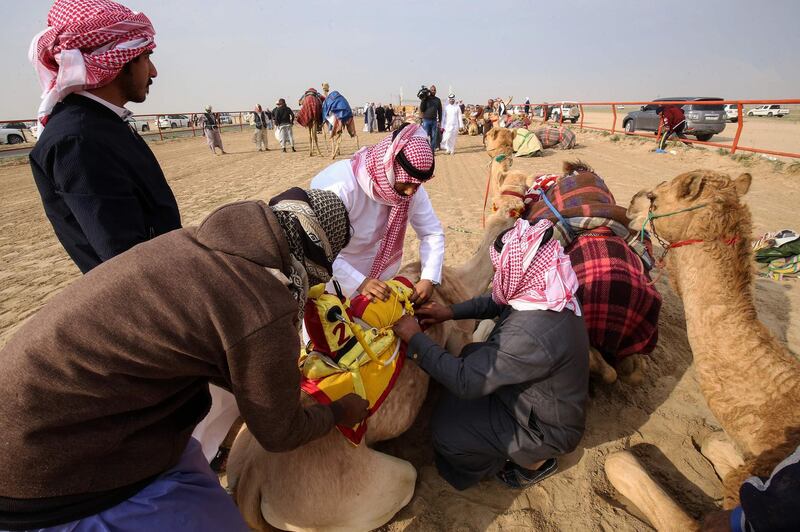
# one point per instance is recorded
(311, 110)
(620, 308)
(563, 137)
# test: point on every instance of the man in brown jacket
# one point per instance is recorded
(101, 389)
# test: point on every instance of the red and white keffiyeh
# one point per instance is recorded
(528, 277)
(377, 171)
(85, 46)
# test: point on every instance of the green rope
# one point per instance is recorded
(500, 158)
(651, 216)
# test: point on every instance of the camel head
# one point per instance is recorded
(706, 204)
(499, 140)
(509, 200)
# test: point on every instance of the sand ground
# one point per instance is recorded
(664, 419)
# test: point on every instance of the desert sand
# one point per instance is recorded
(663, 420)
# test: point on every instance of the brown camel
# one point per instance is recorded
(336, 135)
(330, 485)
(749, 379)
(310, 117)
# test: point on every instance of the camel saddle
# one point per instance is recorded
(352, 348)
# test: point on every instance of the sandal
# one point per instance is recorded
(516, 476)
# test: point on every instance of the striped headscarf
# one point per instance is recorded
(405, 156)
(532, 276)
(316, 226)
(85, 46)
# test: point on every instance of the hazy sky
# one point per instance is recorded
(235, 53)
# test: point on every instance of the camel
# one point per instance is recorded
(331, 485)
(310, 117)
(339, 115)
(336, 135)
(749, 379)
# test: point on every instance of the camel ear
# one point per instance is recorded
(692, 186)
(742, 184)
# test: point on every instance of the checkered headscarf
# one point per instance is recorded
(377, 170)
(529, 276)
(85, 46)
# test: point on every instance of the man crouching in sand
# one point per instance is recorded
(515, 402)
(101, 389)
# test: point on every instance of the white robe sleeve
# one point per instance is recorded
(431, 235)
(349, 278)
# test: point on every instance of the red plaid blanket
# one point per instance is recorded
(620, 308)
(311, 109)
(563, 137)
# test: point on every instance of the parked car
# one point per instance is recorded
(771, 109)
(138, 125)
(173, 121)
(225, 118)
(731, 112)
(569, 110)
(703, 119)
(15, 133)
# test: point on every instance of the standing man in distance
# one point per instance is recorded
(284, 119)
(453, 121)
(102, 188)
(259, 124)
(431, 108)
(210, 121)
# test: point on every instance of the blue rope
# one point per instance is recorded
(561, 218)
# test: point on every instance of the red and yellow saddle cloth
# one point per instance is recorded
(352, 347)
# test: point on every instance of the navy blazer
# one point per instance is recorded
(102, 188)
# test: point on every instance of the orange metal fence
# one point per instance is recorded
(733, 146)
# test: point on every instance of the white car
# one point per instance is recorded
(731, 112)
(138, 124)
(770, 109)
(15, 133)
(570, 110)
(173, 121)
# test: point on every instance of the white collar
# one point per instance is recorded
(120, 111)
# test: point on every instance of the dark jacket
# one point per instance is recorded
(102, 388)
(283, 115)
(535, 362)
(431, 108)
(102, 188)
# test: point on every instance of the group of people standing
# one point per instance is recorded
(378, 117)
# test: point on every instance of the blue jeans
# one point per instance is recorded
(431, 128)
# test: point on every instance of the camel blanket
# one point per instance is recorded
(620, 308)
(526, 144)
(311, 110)
(335, 363)
(337, 105)
(561, 136)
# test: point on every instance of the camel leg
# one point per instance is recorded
(598, 366)
(483, 330)
(631, 369)
(310, 140)
(722, 454)
(629, 478)
(326, 485)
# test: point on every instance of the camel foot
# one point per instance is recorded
(631, 369)
(629, 478)
(483, 331)
(598, 366)
(722, 454)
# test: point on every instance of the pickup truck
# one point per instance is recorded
(769, 110)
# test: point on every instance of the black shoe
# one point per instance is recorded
(293, 149)
(284, 150)
(516, 476)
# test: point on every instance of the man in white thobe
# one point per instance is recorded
(381, 189)
(452, 121)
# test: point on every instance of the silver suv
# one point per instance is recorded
(703, 119)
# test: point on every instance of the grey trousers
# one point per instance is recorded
(473, 439)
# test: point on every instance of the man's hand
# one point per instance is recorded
(406, 327)
(374, 289)
(422, 292)
(349, 410)
(432, 313)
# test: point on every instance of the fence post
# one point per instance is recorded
(158, 125)
(739, 125)
(241, 122)
(614, 124)
(581, 109)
